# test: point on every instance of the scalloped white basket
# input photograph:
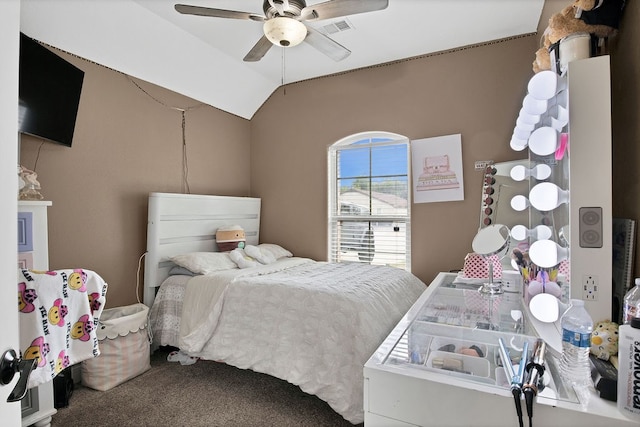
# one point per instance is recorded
(126, 352)
(121, 321)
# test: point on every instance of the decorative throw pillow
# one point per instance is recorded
(204, 262)
(243, 260)
(176, 270)
(276, 250)
(263, 256)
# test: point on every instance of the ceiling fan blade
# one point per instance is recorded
(258, 50)
(326, 45)
(336, 8)
(186, 9)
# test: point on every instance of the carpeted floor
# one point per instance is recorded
(203, 394)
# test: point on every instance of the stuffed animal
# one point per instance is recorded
(604, 339)
(230, 237)
(600, 18)
(570, 21)
(600, 12)
(543, 58)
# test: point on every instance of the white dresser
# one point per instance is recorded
(33, 252)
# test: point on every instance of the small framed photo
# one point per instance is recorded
(437, 169)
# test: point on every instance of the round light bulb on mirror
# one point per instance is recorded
(546, 84)
(544, 307)
(547, 196)
(527, 117)
(519, 203)
(547, 253)
(521, 124)
(539, 232)
(543, 141)
(539, 172)
(521, 133)
(518, 144)
(532, 105)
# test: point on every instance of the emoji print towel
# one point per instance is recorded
(59, 313)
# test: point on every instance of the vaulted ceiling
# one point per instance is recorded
(202, 57)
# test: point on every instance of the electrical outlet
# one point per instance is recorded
(590, 288)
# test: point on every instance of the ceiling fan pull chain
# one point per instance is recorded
(284, 88)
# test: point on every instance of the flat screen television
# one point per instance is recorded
(49, 93)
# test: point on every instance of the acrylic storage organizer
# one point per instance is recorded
(456, 333)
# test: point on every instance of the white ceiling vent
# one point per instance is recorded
(338, 26)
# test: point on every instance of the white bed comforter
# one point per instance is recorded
(313, 324)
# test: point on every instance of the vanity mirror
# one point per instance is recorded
(492, 240)
(524, 217)
(503, 189)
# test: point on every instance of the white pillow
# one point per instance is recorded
(263, 256)
(205, 262)
(276, 250)
(242, 259)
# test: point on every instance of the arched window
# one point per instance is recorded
(370, 200)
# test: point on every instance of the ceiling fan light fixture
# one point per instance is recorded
(283, 31)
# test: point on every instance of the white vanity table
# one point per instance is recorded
(403, 387)
(418, 376)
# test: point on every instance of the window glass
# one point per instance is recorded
(369, 200)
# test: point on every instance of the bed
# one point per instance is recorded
(313, 324)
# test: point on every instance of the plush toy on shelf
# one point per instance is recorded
(586, 16)
(600, 18)
(543, 58)
(604, 339)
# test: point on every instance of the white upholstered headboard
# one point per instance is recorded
(183, 223)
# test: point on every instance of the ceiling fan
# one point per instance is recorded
(283, 23)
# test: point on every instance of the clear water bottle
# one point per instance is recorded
(577, 325)
(631, 304)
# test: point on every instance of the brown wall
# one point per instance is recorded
(476, 92)
(127, 145)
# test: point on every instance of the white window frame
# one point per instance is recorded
(334, 217)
